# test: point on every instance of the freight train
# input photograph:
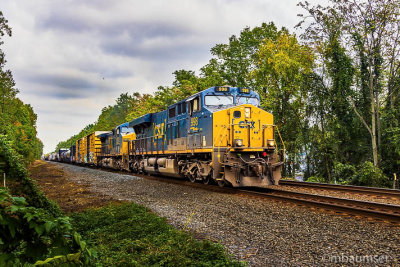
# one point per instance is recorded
(218, 135)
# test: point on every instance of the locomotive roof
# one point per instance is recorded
(146, 119)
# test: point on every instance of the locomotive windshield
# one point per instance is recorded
(218, 100)
(247, 100)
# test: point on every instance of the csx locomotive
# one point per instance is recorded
(217, 135)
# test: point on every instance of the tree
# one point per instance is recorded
(236, 60)
(281, 65)
(371, 29)
(17, 120)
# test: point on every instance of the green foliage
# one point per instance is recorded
(282, 65)
(316, 179)
(23, 184)
(235, 60)
(364, 175)
(29, 234)
(130, 235)
(357, 89)
(17, 120)
(368, 175)
(344, 172)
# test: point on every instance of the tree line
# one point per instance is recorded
(17, 120)
(334, 90)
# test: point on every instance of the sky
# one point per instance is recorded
(71, 58)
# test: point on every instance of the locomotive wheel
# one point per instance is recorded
(206, 180)
(221, 183)
(192, 178)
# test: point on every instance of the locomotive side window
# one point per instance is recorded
(172, 112)
(183, 107)
(194, 105)
(179, 108)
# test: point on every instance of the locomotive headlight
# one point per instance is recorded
(239, 142)
(247, 112)
(271, 143)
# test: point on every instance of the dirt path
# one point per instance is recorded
(70, 195)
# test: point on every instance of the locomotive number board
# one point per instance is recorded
(222, 89)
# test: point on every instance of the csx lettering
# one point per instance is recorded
(158, 130)
(242, 124)
(194, 122)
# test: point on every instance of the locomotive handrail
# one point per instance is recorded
(143, 148)
(283, 143)
(220, 141)
(280, 137)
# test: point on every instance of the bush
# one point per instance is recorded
(29, 234)
(316, 179)
(344, 172)
(23, 184)
(129, 234)
(368, 175)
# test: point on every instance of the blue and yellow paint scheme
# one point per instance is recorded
(218, 134)
(114, 147)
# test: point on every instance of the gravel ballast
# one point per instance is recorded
(343, 194)
(261, 232)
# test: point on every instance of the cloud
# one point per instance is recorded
(65, 81)
(71, 58)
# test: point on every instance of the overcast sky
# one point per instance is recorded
(71, 58)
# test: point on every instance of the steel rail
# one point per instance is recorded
(381, 211)
(386, 212)
(345, 188)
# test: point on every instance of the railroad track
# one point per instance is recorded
(378, 211)
(383, 212)
(345, 188)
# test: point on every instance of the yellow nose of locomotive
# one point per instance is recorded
(244, 127)
(244, 147)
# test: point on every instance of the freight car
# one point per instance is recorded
(217, 135)
(88, 148)
(64, 155)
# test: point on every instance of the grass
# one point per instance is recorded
(130, 235)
